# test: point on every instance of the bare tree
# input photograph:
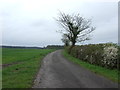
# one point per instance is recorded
(65, 40)
(75, 27)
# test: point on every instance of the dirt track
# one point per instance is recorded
(57, 72)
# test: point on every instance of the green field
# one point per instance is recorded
(0, 55)
(24, 66)
(110, 74)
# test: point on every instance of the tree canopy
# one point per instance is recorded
(75, 28)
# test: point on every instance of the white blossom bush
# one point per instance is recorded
(110, 56)
(104, 55)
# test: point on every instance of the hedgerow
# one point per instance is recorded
(105, 55)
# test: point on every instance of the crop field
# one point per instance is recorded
(20, 66)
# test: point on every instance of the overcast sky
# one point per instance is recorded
(32, 23)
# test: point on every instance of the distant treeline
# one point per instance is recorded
(21, 47)
(25, 47)
(55, 47)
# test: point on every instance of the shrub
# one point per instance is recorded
(105, 55)
(110, 56)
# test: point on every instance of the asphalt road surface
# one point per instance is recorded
(57, 72)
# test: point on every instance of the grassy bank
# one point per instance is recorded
(24, 66)
(0, 68)
(110, 74)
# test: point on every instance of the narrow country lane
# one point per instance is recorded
(57, 72)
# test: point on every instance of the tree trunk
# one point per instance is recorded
(73, 44)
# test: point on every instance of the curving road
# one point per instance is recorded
(57, 72)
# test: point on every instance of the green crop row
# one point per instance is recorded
(22, 73)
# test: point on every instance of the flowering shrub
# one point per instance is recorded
(105, 55)
(110, 56)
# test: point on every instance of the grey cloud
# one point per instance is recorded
(33, 23)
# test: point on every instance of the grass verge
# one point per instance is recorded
(110, 74)
(0, 68)
(21, 75)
